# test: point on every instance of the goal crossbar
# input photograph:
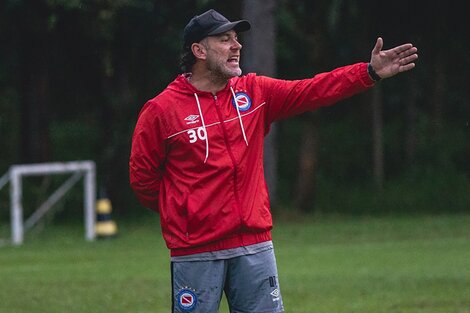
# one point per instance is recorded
(85, 169)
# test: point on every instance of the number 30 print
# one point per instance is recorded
(195, 134)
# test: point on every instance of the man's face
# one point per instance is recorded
(223, 54)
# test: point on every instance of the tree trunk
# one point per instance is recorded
(439, 80)
(259, 55)
(304, 198)
(411, 118)
(305, 191)
(377, 137)
(437, 99)
(35, 45)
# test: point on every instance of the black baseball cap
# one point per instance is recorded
(210, 23)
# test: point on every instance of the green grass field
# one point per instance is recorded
(328, 265)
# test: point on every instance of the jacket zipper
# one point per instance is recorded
(230, 153)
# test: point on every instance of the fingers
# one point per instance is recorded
(408, 59)
(408, 52)
(393, 61)
(403, 48)
(403, 54)
(406, 67)
(378, 46)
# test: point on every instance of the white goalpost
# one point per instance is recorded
(85, 169)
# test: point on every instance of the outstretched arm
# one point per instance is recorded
(388, 63)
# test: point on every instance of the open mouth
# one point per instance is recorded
(233, 60)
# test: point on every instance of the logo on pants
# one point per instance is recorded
(276, 294)
(187, 299)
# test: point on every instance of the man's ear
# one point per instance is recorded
(199, 51)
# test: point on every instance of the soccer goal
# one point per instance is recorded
(78, 169)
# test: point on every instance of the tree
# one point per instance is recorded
(34, 53)
(311, 26)
(259, 55)
(377, 137)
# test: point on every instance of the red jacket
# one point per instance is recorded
(198, 161)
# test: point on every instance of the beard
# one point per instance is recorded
(220, 70)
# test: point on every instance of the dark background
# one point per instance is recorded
(74, 75)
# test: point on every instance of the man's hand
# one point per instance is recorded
(387, 63)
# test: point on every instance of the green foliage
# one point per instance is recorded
(437, 180)
(75, 73)
(419, 191)
(9, 127)
(74, 140)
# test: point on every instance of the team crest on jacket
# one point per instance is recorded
(242, 100)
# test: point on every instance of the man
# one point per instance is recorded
(197, 160)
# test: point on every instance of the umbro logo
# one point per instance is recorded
(276, 294)
(192, 119)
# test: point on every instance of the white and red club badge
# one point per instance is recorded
(187, 299)
(242, 100)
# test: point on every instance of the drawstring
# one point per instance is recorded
(203, 126)
(239, 116)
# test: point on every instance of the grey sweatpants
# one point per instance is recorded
(250, 283)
